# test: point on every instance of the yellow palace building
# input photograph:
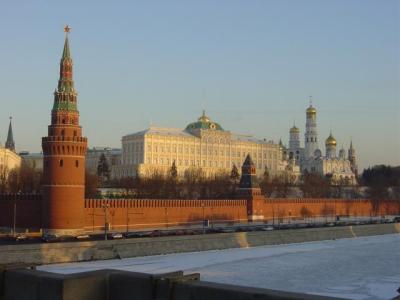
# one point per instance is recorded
(203, 144)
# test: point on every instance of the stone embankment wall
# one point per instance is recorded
(98, 250)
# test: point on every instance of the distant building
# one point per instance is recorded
(34, 160)
(203, 144)
(112, 155)
(8, 158)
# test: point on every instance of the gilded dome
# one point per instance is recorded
(330, 141)
(294, 129)
(311, 110)
(204, 122)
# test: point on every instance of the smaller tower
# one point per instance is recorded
(330, 145)
(353, 160)
(294, 137)
(311, 142)
(10, 139)
(342, 153)
(250, 190)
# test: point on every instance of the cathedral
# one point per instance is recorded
(341, 169)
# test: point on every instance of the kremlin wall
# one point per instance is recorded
(62, 209)
(132, 214)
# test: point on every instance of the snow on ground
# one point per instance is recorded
(360, 268)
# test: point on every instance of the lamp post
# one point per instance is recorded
(166, 216)
(204, 230)
(15, 217)
(105, 206)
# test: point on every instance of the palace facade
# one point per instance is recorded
(201, 145)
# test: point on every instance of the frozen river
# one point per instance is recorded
(359, 268)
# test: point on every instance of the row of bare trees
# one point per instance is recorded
(25, 179)
(195, 184)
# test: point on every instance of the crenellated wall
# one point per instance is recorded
(150, 213)
(300, 208)
(132, 214)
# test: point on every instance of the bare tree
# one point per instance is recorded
(315, 186)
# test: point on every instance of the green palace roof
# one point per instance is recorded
(204, 122)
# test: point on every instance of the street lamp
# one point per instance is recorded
(105, 206)
(204, 230)
(166, 216)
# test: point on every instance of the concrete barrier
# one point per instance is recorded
(121, 285)
(99, 250)
(217, 291)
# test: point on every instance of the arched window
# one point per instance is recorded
(61, 163)
(77, 163)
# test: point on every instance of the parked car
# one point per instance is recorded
(20, 237)
(116, 236)
(268, 228)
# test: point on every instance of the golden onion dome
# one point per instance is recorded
(330, 141)
(204, 118)
(294, 129)
(311, 110)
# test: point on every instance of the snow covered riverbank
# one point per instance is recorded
(359, 268)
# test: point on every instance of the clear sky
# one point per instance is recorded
(250, 64)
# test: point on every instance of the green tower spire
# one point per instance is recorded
(65, 96)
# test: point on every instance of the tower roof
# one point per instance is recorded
(204, 122)
(10, 138)
(66, 52)
(65, 94)
(311, 110)
(351, 145)
(330, 141)
(294, 129)
(248, 162)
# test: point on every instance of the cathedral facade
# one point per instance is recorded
(201, 145)
(340, 167)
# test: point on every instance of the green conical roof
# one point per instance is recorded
(66, 51)
(65, 94)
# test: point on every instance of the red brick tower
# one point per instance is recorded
(250, 190)
(64, 152)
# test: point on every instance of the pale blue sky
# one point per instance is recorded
(250, 64)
